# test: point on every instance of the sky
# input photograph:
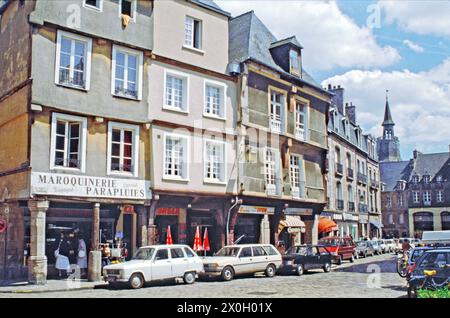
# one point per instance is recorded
(369, 47)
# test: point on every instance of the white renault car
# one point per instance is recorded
(243, 259)
(157, 262)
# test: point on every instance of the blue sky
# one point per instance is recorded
(407, 53)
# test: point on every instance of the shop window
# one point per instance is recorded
(68, 142)
(73, 62)
(123, 149)
(162, 254)
(127, 66)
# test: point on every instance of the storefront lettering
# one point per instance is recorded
(59, 184)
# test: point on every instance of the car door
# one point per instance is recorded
(245, 261)
(194, 262)
(161, 266)
(260, 258)
(313, 257)
(179, 261)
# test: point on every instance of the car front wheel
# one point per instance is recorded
(227, 273)
(189, 278)
(136, 281)
(300, 269)
(270, 270)
(327, 267)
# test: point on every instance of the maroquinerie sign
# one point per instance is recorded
(87, 186)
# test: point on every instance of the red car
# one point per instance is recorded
(341, 248)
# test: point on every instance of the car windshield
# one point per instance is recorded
(416, 254)
(144, 254)
(228, 251)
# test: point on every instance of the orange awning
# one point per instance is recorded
(326, 225)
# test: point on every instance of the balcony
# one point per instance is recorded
(362, 208)
(350, 174)
(362, 178)
(340, 204)
(339, 170)
(275, 123)
(351, 206)
(374, 184)
(300, 134)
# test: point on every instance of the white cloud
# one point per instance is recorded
(420, 104)
(331, 38)
(421, 17)
(413, 46)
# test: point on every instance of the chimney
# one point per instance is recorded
(338, 98)
(350, 110)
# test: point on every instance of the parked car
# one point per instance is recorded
(378, 250)
(302, 258)
(391, 245)
(431, 271)
(364, 249)
(157, 262)
(235, 260)
(341, 248)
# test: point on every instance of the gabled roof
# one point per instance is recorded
(291, 40)
(211, 5)
(392, 172)
(250, 39)
(432, 164)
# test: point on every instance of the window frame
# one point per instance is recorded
(82, 141)
(306, 105)
(276, 170)
(192, 39)
(293, 70)
(134, 149)
(88, 50)
(416, 197)
(223, 171)
(223, 93)
(95, 8)
(133, 9)
(139, 69)
(301, 174)
(440, 196)
(186, 158)
(283, 110)
(185, 78)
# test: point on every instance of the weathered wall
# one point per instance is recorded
(98, 101)
(106, 24)
(14, 46)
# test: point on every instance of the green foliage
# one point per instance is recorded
(440, 293)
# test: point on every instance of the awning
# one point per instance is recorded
(293, 221)
(326, 225)
(376, 223)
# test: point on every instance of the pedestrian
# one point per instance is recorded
(61, 253)
(82, 254)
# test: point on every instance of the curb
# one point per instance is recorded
(30, 291)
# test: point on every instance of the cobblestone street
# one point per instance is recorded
(360, 279)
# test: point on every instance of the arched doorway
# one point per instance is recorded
(423, 221)
(445, 219)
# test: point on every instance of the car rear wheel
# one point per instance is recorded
(189, 278)
(300, 269)
(227, 273)
(327, 267)
(270, 270)
(136, 281)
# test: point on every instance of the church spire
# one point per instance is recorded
(387, 113)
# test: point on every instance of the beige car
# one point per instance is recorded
(235, 260)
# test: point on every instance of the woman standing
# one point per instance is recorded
(82, 254)
(61, 254)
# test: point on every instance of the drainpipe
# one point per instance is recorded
(236, 202)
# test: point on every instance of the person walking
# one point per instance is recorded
(82, 254)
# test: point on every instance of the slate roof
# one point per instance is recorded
(291, 40)
(432, 164)
(210, 4)
(250, 39)
(392, 172)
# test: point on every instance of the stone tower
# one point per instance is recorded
(388, 146)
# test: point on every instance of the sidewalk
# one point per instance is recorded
(51, 286)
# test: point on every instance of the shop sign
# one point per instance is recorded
(363, 219)
(250, 209)
(326, 214)
(349, 217)
(298, 211)
(337, 216)
(2, 225)
(128, 209)
(87, 186)
(168, 211)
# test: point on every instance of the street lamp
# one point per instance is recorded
(236, 202)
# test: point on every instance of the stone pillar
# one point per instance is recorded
(151, 227)
(265, 230)
(315, 229)
(182, 227)
(437, 220)
(142, 225)
(95, 255)
(37, 262)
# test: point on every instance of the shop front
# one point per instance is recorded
(349, 225)
(376, 226)
(173, 218)
(253, 224)
(204, 220)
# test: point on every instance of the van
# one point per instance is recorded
(341, 248)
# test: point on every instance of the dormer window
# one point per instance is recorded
(415, 179)
(294, 62)
(439, 178)
(426, 178)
